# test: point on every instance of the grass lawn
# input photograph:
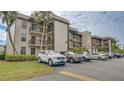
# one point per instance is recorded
(22, 70)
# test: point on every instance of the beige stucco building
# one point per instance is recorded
(60, 37)
(27, 37)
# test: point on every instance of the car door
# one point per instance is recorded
(43, 55)
(94, 56)
(46, 56)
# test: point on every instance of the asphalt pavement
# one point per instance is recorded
(110, 70)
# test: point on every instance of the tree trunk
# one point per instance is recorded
(42, 36)
(46, 35)
(10, 38)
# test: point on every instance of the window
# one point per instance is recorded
(23, 50)
(24, 24)
(32, 51)
(23, 37)
(33, 27)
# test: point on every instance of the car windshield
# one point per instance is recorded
(53, 53)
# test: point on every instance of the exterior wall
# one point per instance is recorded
(75, 40)
(86, 41)
(60, 36)
(19, 31)
(19, 43)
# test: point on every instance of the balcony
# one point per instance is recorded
(35, 31)
(34, 43)
(75, 40)
(47, 43)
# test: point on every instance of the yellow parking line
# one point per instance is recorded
(77, 76)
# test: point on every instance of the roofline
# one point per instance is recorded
(103, 38)
(73, 28)
(56, 17)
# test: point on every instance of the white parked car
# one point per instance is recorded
(98, 56)
(52, 57)
(85, 56)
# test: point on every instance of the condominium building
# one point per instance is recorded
(98, 41)
(27, 37)
(60, 37)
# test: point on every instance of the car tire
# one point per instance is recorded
(84, 59)
(39, 60)
(50, 62)
(71, 60)
(64, 64)
(99, 58)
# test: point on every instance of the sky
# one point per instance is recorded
(98, 23)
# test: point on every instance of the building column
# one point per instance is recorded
(102, 43)
(110, 47)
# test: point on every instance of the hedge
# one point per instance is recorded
(20, 57)
(2, 56)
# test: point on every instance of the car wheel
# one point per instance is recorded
(99, 58)
(71, 60)
(64, 64)
(50, 62)
(84, 59)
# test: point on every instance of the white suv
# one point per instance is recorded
(52, 57)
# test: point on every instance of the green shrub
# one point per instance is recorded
(2, 56)
(20, 57)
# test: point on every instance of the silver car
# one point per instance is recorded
(98, 56)
(85, 56)
(72, 57)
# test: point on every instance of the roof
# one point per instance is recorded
(56, 17)
(60, 18)
(73, 28)
(98, 37)
(19, 15)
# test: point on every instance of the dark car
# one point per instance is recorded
(117, 55)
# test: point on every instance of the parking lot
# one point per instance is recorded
(110, 70)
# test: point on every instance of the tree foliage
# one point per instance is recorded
(8, 18)
(43, 19)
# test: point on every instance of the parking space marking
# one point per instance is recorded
(77, 76)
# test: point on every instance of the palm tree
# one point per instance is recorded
(8, 18)
(46, 18)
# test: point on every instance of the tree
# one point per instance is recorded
(103, 49)
(115, 45)
(8, 18)
(43, 18)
